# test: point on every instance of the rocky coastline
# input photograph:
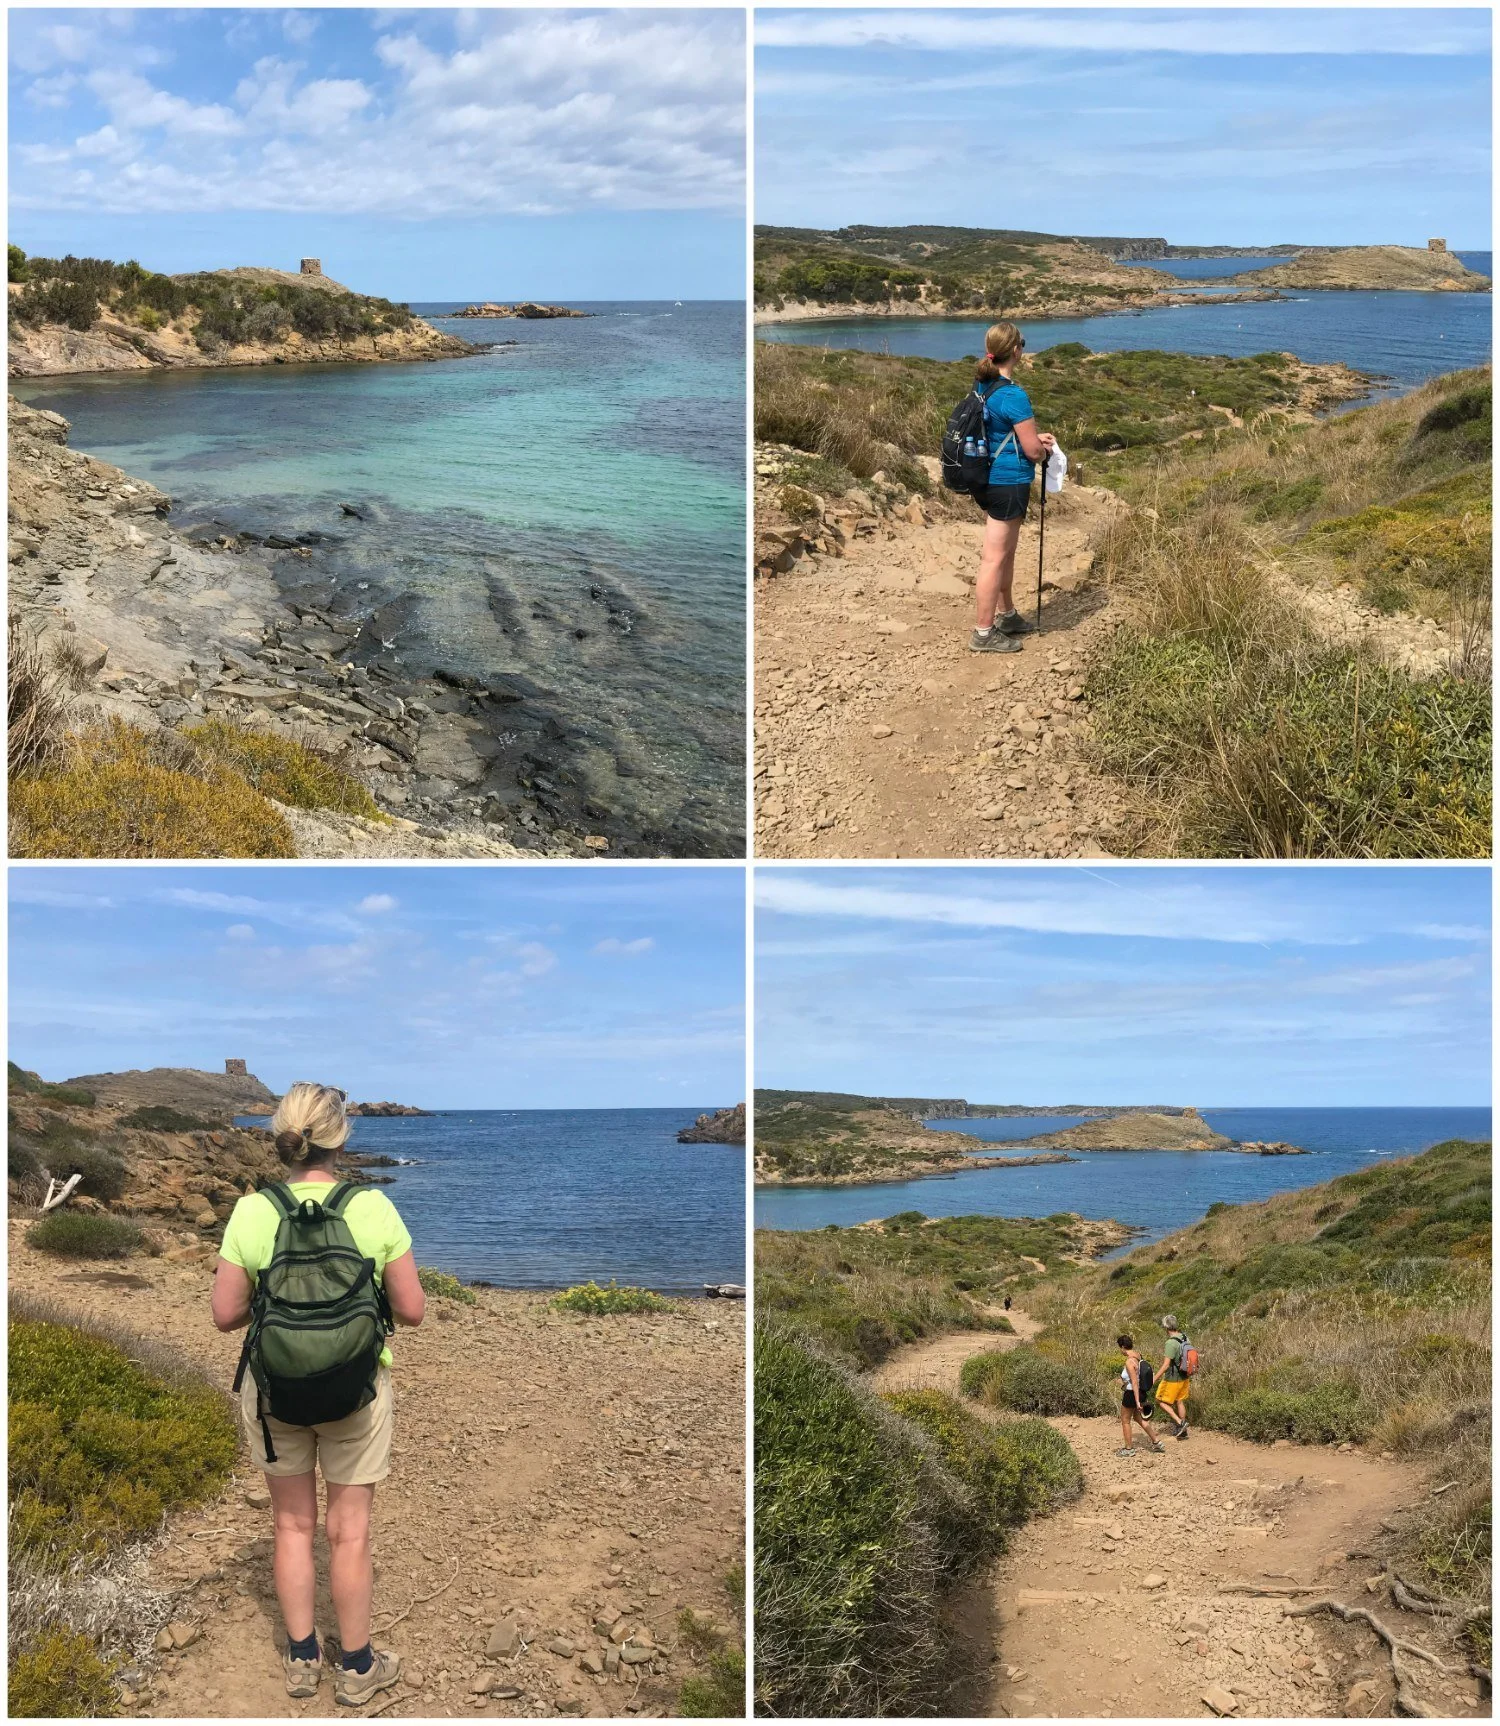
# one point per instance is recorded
(385, 1110)
(176, 626)
(721, 1127)
(1142, 1131)
(1074, 306)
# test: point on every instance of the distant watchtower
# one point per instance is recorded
(236, 1069)
(312, 266)
(1437, 245)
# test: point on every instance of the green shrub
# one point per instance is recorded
(22, 1161)
(60, 1676)
(67, 1096)
(1010, 1471)
(1028, 1382)
(591, 1298)
(159, 1118)
(104, 1175)
(1324, 1412)
(720, 1693)
(439, 1283)
(99, 1447)
(977, 1371)
(15, 264)
(85, 1235)
(848, 1558)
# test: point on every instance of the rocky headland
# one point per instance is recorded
(1141, 1130)
(522, 309)
(721, 1127)
(118, 340)
(174, 627)
(1385, 268)
(385, 1110)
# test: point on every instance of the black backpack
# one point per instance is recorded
(318, 1318)
(1145, 1378)
(967, 456)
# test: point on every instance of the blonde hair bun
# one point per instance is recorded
(309, 1119)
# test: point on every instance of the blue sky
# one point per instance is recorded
(422, 154)
(443, 987)
(1203, 127)
(1301, 986)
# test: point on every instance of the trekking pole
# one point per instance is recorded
(1041, 540)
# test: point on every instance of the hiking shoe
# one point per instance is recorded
(994, 642)
(1129, 1450)
(302, 1676)
(1158, 1447)
(1012, 623)
(356, 1687)
(1181, 1434)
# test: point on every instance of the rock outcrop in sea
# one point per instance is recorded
(722, 1127)
(522, 309)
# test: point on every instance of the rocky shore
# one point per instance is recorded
(522, 309)
(175, 627)
(1075, 305)
(385, 1110)
(1139, 1130)
(722, 1127)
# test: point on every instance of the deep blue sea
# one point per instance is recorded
(1158, 1191)
(1403, 337)
(504, 494)
(544, 1198)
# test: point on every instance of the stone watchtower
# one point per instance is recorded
(312, 266)
(236, 1069)
(1437, 245)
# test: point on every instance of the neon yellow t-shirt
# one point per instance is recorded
(375, 1223)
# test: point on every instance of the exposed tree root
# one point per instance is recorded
(1395, 1647)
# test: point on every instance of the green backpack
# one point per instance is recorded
(318, 1319)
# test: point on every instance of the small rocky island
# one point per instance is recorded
(1142, 1130)
(522, 309)
(385, 1109)
(722, 1127)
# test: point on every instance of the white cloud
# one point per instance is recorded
(529, 111)
(240, 932)
(613, 944)
(373, 902)
(1283, 31)
(535, 959)
(1451, 932)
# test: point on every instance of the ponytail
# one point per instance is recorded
(1002, 342)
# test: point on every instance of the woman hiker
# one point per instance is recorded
(1135, 1399)
(1016, 446)
(354, 1452)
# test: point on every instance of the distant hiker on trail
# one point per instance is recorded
(1007, 1303)
(1174, 1380)
(320, 1270)
(1016, 447)
(1135, 1399)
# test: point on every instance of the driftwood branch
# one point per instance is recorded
(1395, 1647)
(62, 1194)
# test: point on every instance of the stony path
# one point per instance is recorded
(1116, 1606)
(878, 734)
(562, 1472)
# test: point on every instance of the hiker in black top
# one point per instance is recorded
(1135, 1399)
(319, 1270)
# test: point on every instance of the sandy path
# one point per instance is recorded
(878, 734)
(1115, 1607)
(559, 1468)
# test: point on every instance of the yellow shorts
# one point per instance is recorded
(355, 1451)
(1172, 1389)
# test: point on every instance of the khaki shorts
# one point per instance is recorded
(355, 1451)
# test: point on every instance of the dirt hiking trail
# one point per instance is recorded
(879, 734)
(1120, 1604)
(564, 1472)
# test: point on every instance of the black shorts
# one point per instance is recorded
(1127, 1401)
(1004, 502)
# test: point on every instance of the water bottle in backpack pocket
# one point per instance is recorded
(967, 457)
(318, 1319)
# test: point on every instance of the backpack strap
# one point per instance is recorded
(280, 1195)
(340, 1196)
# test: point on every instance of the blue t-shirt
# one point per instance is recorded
(1006, 406)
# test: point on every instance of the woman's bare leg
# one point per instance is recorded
(351, 1573)
(294, 1506)
(997, 563)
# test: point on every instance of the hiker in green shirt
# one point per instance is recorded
(311, 1127)
(1172, 1382)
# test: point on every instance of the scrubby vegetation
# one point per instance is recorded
(1249, 733)
(718, 1691)
(1354, 1311)
(102, 1444)
(220, 311)
(52, 1141)
(1026, 1381)
(159, 1118)
(445, 1287)
(868, 1510)
(861, 1292)
(33, 1085)
(858, 413)
(85, 1235)
(596, 1301)
(282, 768)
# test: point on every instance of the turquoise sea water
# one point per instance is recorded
(1157, 1191)
(570, 506)
(1404, 338)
